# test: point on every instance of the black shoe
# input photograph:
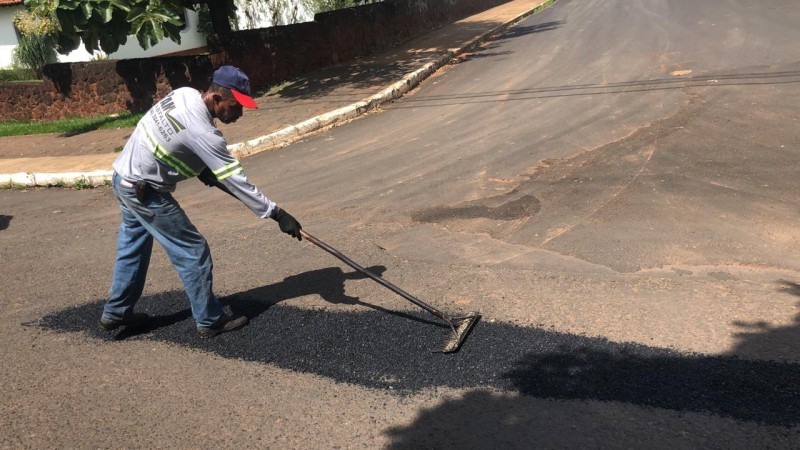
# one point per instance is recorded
(128, 320)
(223, 325)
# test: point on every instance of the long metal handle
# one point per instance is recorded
(354, 265)
(380, 280)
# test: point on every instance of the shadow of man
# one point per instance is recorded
(328, 283)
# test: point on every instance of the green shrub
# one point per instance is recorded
(8, 75)
(82, 183)
(34, 52)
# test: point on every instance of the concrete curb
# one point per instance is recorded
(282, 137)
(78, 180)
(286, 136)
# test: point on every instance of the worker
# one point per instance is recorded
(175, 140)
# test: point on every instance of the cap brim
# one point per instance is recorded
(244, 100)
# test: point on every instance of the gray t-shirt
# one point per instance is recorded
(176, 140)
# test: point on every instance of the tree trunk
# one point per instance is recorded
(221, 11)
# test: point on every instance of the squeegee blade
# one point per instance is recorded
(461, 329)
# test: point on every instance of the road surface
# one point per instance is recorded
(612, 184)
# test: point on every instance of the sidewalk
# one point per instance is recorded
(300, 107)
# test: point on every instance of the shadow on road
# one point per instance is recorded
(171, 308)
(388, 351)
(328, 283)
(765, 341)
(612, 378)
(346, 78)
(488, 49)
(519, 31)
(486, 420)
(5, 221)
(372, 71)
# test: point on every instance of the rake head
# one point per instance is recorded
(461, 327)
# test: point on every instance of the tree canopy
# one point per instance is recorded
(106, 24)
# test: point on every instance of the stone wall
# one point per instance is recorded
(101, 87)
(268, 55)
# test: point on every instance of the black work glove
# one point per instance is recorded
(287, 223)
(207, 177)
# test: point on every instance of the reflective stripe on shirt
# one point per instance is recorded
(228, 170)
(166, 157)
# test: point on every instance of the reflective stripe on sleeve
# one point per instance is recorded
(228, 170)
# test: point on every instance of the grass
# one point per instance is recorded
(13, 186)
(68, 127)
(82, 183)
(543, 5)
(18, 75)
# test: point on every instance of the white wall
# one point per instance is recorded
(252, 14)
(8, 35)
(190, 39)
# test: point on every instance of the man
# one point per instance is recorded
(176, 140)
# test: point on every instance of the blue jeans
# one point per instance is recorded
(162, 218)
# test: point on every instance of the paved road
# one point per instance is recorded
(611, 183)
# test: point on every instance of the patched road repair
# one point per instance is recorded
(397, 351)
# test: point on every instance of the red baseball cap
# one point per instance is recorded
(234, 79)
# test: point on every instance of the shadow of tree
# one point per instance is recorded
(354, 76)
(487, 50)
(556, 385)
(766, 341)
(372, 71)
(487, 420)
(760, 391)
(520, 31)
(5, 221)
(96, 124)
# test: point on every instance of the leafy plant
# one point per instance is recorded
(99, 56)
(17, 186)
(106, 24)
(17, 74)
(82, 183)
(34, 52)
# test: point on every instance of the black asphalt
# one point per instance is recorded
(397, 351)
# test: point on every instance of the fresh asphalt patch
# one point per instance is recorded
(395, 350)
